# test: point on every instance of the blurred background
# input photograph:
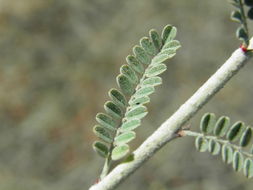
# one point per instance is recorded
(59, 58)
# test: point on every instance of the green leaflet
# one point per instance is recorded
(173, 45)
(125, 84)
(148, 46)
(236, 16)
(135, 64)
(160, 58)
(130, 125)
(120, 151)
(156, 70)
(128, 72)
(106, 121)
(246, 137)
(214, 147)
(144, 91)
(101, 148)
(138, 112)
(207, 123)
(141, 55)
(156, 40)
(166, 33)
(152, 81)
(248, 168)
(118, 98)
(139, 101)
(113, 110)
(235, 131)
(237, 161)
(124, 138)
(201, 144)
(172, 34)
(102, 134)
(221, 126)
(227, 154)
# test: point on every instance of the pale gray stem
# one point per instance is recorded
(166, 132)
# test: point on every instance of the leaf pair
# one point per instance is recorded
(231, 153)
(137, 81)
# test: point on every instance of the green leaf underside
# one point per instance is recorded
(135, 64)
(120, 152)
(248, 168)
(103, 134)
(106, 121)
(221, 126)
(128, 72)
(118, 98)
(246, 137)
(227, 154)
(141, 55)
(237, 161)
(156, 70)
(125, 84)
(139, 101)
(130, 125)
(138, 112)
(144, 91)
(156, 40)
(214, 147)
(235, 131)
(169, 52)
(201, 144)
(241, 34)
(113, 110)
(100, 148)
(152, 81)
(124, 138)
(148, 46)
(207, 123)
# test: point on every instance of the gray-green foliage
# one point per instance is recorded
(136, 82)
(238, 15)
(234, 142)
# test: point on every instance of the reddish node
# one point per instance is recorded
(243, 48)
